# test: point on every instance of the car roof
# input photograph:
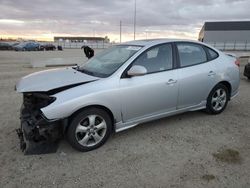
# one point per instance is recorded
(149, 42)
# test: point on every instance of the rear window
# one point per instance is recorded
(212, 54)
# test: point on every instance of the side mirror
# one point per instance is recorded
(137, 70)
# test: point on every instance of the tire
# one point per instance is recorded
(217, 99)
(89, 129)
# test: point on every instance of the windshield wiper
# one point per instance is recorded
(77, 67)
(86, 71)
(95, 74)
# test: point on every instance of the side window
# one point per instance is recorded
(152, 53)
(191, 54)
(156, 59)
(212, 53)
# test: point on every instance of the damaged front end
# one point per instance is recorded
(37, 134)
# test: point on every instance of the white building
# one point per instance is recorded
(234, 35)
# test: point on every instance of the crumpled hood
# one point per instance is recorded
(52, 79)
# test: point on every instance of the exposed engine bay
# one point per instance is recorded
(38, 135)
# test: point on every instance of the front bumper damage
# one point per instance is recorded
(37, 135)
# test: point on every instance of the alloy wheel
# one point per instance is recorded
(91, 130)
(219, 99)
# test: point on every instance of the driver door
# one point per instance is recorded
(154, 93)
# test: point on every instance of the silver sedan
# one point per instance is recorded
(124, 86)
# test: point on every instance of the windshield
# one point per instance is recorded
(108, 61)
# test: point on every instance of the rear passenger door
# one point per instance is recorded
(196, 76)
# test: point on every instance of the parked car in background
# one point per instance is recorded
(27, 46)
(47, 47)
(123, 86)
(5, 46)
(59, 48)
(15, 44)
(247, 70)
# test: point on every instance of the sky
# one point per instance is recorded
(44, 19)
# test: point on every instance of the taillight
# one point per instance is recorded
(237, 62)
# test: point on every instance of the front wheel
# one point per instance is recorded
(217, 99)
(89, 129)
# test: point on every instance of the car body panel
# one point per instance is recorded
(52, 79)
(100, 92)
(148, 95)
(121, 126)
(194, 81)
(226, 70)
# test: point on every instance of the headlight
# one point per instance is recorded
(37, 100)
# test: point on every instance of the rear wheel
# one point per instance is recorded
(217, 99)
(89, 129)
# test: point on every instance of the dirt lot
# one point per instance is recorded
(188, 150)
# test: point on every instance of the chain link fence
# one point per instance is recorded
(231, 46)
(78, 45)
(225, 46)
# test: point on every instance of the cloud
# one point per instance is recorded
(9, 21)
(157, 18)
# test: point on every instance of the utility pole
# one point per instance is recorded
(120, 31)
(135, 20)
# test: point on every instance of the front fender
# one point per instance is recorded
(97, 93)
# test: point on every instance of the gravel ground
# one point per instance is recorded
(188, 150)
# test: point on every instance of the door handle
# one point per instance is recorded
(211, 73)
(171, 81)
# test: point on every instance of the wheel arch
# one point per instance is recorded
(110, 113)
(227, 84)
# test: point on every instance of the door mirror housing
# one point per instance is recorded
(137, 70)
